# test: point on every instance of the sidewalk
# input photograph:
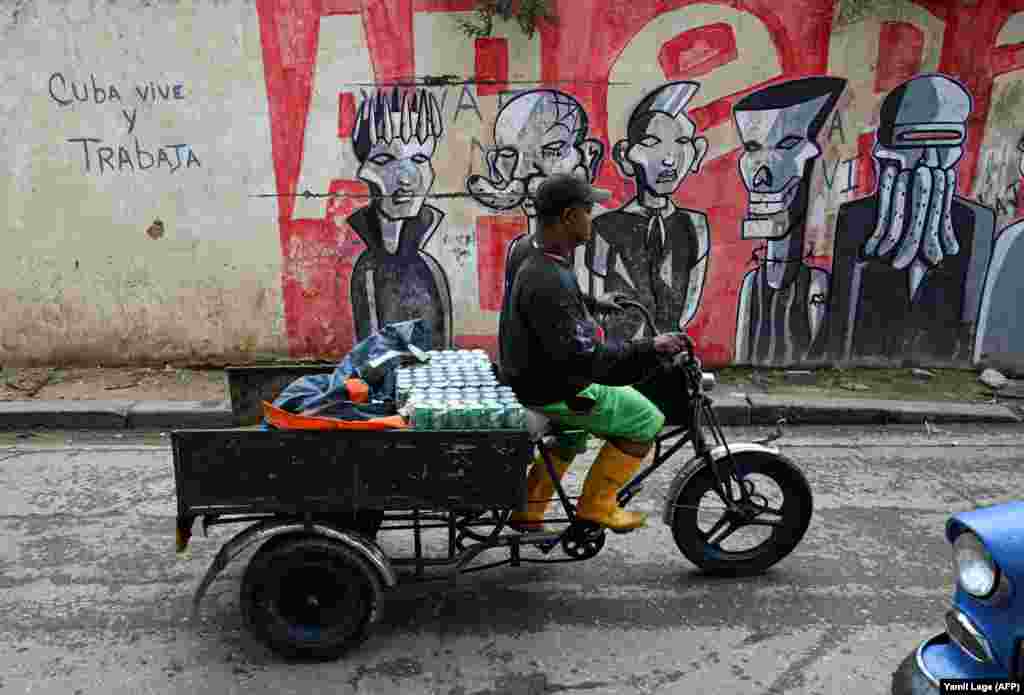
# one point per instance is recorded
(165, 399)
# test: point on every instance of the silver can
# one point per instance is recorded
(440, 414)
(455, 419)
(515, 417)
(476, 415)
(424, 417)
(493, 418)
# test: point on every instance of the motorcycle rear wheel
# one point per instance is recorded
(792, 517)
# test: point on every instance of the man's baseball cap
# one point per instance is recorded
(563, 191)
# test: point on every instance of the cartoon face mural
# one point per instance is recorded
(782, 305)
(394, 140)
(923, 125)
(909, 260)
(651, 250)
(661, 148)
(536, 134)
(778, 127)
(394, 279)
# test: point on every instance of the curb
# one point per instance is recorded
(106, 415)
(731, 409)
(763, 409)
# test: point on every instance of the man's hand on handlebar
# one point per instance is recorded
(670, 343)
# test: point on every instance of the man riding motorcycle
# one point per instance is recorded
(553, 356)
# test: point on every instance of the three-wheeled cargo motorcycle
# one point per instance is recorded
(315, 502)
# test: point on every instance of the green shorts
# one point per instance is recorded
(619, 412)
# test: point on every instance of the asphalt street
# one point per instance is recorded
(94, 600)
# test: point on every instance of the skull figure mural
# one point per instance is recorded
(782, 303)
(909, 261)
(395, 137)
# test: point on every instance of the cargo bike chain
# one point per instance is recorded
(580, 541)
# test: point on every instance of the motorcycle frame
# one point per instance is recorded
(700, 410)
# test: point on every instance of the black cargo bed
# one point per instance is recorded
(255, 471)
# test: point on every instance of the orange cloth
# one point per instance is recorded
(358, 390)
(290, 421)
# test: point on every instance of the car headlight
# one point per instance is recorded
(976, 572)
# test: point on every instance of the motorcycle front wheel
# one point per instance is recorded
(771, 522)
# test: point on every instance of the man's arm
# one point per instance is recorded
(570, 341)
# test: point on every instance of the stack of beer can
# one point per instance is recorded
(456, 390)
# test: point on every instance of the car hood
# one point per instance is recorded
(1001, 529)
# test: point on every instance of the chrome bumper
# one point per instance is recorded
(937, 658)
(913, 677)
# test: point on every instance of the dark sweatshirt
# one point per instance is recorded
(550, 345)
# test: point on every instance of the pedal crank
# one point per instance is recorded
(583, 540)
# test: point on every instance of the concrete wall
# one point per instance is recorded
(295, 212)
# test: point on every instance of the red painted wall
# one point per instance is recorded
(577, 55)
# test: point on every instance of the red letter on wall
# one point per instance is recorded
(491, 65)
(900, 50)
(346, 114)
(493, 234)
(698, 51)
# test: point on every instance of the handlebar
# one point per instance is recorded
(704, 381)
(649, 320)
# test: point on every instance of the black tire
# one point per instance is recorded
(796, 510)
(908, 679)
(309, 597)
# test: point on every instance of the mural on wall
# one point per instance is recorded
(395, 138)
(783, 300)
(1000, 334)
(652, 250)
(537, 134)
(779, 164)
(909, 260)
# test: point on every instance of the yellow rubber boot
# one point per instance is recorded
(612, 469)
(539, 489)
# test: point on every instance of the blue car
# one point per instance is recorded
(984, 635)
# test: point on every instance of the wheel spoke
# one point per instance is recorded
(718, 525)
(729, 487)
(718, 542)
(700, 508)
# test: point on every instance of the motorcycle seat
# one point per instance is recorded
(544, 431)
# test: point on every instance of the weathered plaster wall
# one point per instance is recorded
(88, 275)
(309, 216)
